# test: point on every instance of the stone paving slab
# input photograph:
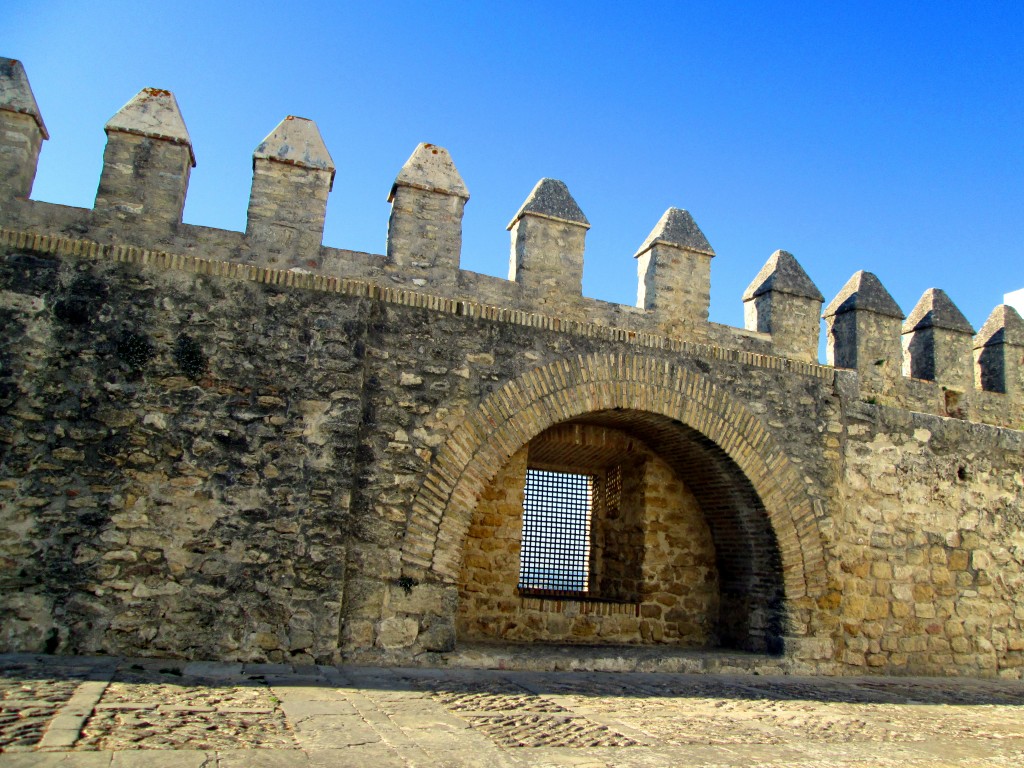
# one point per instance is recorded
(131, 713)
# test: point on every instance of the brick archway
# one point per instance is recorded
(608, 383)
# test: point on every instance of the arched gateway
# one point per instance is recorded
(588, 412)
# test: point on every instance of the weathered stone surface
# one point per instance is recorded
(864, 291)
(548, 235)
(16, 92)
(937, 340)
(396, 632)
(782, 273)
(292, 174)
(677, 228)
(936, 310)
(550, 198)
(997, 353)
(1003, 326)
(296, 141)
(22, 131)
(430, 168)
(784, 302)
(674, 274)
(147, 159)
(154, 113)
(863, 325)
(425, 227)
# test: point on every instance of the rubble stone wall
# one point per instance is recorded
(210, 466)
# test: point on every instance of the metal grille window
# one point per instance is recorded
(555, 553)
(613, 490)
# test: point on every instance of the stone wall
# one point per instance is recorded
(247, 446)
(164, 490)
(932, 563)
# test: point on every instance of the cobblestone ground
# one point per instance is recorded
(123, 712)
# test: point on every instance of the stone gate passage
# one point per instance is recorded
(673, 547)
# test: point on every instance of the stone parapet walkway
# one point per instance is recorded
(72, 711)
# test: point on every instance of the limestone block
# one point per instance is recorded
(424, 599)
(438, 634)
(357, 634)
(28, 623)
(395, 632)
(20, 142)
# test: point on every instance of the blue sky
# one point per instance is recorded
(879, 136)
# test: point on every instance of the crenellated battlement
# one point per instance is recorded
(931, 361)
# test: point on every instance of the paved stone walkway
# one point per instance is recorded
(66, 711)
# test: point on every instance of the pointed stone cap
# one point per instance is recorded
(678, 229)
(296, 141)
(153, 113)
(431, 168)
(782, 274)
(1004, 326)
(550, 199)
(864, 291)
(936, 310)
(16, 93)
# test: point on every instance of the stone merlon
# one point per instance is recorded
(678, 229)
(1004, 326)
(16, 93)
(936, 310)
(550, 199)
(431, 168)
(782, 274)
(296, 141)
(153, 113)
(864, 291)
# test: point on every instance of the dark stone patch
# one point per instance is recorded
(80, 304)
(27, 274)
(189, 356)
(135, 350)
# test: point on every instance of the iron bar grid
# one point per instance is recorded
(555, 551)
